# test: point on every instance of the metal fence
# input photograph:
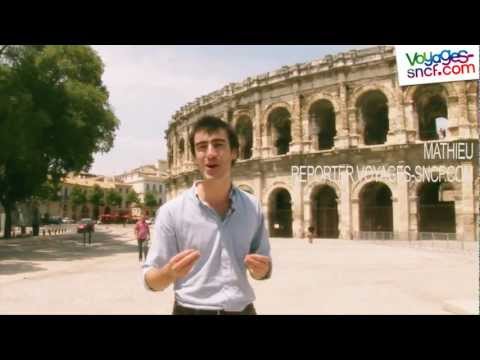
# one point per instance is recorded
(411, 235)
(45, 230)
(435, 240)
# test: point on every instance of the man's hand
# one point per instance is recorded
(177, 267)
(257, 265)
(181, 264)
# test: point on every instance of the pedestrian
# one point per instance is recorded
(208, 237)
(310, 234)
(142, 234)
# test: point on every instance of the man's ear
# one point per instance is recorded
(235, 154)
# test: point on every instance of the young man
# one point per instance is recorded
(142, 233)
(208, 237)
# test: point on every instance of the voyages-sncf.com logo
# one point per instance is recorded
(423, 64)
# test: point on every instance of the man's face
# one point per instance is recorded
(213, 154)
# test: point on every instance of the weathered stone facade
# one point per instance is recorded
(344, 109)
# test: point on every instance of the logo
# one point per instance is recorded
(424, 64)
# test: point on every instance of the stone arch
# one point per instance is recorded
(359, 184)
(276, 185)
(181, 150)
(409, 95)
(246, 188)
(243, 126)
(322, 123)
(308, 191)
(317, 97)
(431, 106)
(324, 214)
(362, 90)
(238, 114)
(477, 187)
(272, 107)
(375, 207)
(279, 130)
(436, 207)
(280, 212)
(372, 118)
(472, 87)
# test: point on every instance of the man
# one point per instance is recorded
(142, 233)
(208, 237)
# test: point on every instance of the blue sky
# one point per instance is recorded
(147, 84)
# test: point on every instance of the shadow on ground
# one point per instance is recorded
(20, 255)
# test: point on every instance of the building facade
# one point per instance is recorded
(147, 178)
(345, 112)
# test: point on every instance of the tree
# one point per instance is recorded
(150, 201)
(132, 197)
(96, 199)
(78, 197)
(54, 115)
(113, 198)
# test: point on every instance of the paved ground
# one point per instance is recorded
(60, 276)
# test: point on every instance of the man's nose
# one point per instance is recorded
(211, 151)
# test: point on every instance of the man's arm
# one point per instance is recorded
(259, 261)
(178, 267)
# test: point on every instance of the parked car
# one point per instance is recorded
(51, 220)
(86, 225)
(67, 220)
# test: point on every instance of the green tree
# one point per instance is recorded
(132, 197)
(150, 201)
(54, 116)
(96, 199)
(113, 198)
(78, 197)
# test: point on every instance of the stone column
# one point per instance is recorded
(297, 209)
(175, 153)
(465, 205)
(266, 139)
(355, 213)
(344, 207)
(397, 133)
(296, 125)
(355, 133)
(307, 214)
(257, 133)
(341, 120)
(411, 122)
(462, 112)
(403, 207)
(306, 133)
(257, 185)
(226, 117)
(454, 115)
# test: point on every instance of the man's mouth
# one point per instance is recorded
(212, 166)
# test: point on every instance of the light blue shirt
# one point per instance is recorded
(218, 280)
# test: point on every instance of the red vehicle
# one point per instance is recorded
(86, 225)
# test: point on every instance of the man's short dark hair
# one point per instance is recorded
(212, 124)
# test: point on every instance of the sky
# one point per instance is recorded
(148, 84)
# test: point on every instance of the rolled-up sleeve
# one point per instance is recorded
(261, 243)
(164, 243)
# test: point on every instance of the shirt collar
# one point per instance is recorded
(232, 195)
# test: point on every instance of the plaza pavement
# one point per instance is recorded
(58, 275)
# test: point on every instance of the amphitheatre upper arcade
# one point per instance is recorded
(343, 109)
